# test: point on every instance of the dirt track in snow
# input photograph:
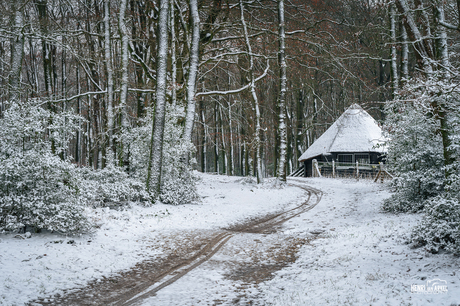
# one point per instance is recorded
(149, 276)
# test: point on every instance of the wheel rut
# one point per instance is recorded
(150, 276)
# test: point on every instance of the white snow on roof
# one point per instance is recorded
(354, 131)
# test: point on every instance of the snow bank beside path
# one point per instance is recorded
(360, 258)
(46, 264)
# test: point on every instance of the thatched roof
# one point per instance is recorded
(354, 131)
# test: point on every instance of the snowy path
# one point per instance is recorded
(132, 289)
(51, 266)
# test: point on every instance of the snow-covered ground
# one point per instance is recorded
(360, 258)
(46, 264)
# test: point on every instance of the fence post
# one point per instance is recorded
(316, 168)
(381, 172)
(333, 168)
(357, 170)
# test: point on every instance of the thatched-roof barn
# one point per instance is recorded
(355, 136)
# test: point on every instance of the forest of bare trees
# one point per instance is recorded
(151, 89)
(101, 59)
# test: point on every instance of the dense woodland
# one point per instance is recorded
(98, 59)
(105, 101)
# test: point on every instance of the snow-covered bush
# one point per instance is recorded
(108, 186)
(37, 187)
(415, 152)
(416, 156)
(178, 184)
(440, 226)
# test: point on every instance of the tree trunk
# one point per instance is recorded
(173, 55)
(108, 65)
(394, 55)
(156, 142)
(443, 57)
(17, 50)
(421, 52)
(404, 55)
(300, 125)
(255, 99)
(122, 156)
(282, 94)
(231, 161)
(192, 73)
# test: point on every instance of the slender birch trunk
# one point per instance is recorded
(172, 29)
(78, 146)
(224, 149)
(123, 29)
(231, 161)
(109, 68)
(443, 114)
(421, 51)
(203, 139)
(216, 141)
(153, 183)
(192, 73)
(300, 125)
(17, 50)
(394, 54)
(255, 99)
(404, 55)
(442, 40)
(282, 94)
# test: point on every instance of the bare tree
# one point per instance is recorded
(17, 48)
(192, 72)
(394, 55)
(109, 68)
(156, 143)
(255, 100)
(123, 29)
(282, 93)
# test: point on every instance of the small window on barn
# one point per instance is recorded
(362, 158)
(345, 158)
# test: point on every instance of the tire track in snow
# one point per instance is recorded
(132, 290)
(254, 226)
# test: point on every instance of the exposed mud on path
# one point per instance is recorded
(256, 250)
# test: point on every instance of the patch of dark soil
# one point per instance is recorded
(253, 225)
(264, 265)
(263, 268)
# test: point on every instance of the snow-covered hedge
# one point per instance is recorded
(41, 188)
(423, 182)
(37, 187)
(105, 187)
(415, 153)
(440, 226)
(178, 184)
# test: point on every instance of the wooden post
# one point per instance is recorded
(382, 172)
(379, 173)
(333, 168)
(357, 170)
(316, 169)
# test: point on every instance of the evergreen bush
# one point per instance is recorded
(38, 188)
(440, 226)
(414, 155)
(110, 186)
(178, 183)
